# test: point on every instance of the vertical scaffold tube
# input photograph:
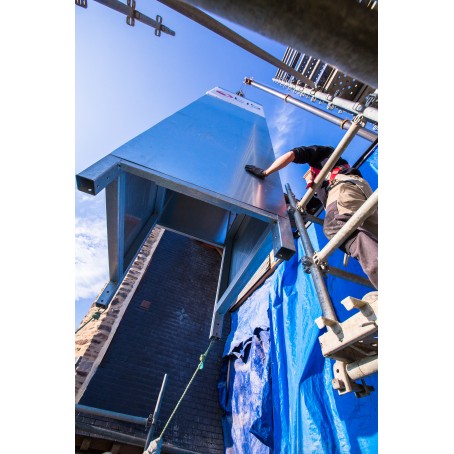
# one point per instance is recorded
(317, 276)
(156, 412)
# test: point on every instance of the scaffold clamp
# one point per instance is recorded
(321, 263)
(307, 263)
(130, 19)
(157, 30)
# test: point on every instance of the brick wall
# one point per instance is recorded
(93, 338)
(164, 329)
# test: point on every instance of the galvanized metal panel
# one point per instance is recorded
(99, 175)
(194, 218)
(206, 145)
(244, 241)
(140, 198)
(187, 174)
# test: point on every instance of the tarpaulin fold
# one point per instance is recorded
(280, 392)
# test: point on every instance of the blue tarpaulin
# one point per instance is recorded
(277, 393)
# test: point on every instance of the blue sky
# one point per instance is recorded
(127, 80)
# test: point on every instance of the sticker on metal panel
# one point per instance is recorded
(237, 100)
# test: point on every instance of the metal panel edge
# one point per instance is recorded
(196, 192)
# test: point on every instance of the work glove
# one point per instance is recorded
(256, 171)
(310, 184)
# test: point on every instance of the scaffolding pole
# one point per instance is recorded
(368, 207)
(326, 305)
(111, 414)
(343, 124)
(353, 107)
(154, 419)
(343, 144)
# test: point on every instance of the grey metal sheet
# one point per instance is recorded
(207, 144)
(244, 241)
(140, 198)
(187, 175)
(194, 218)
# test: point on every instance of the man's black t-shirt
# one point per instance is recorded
(317, 156)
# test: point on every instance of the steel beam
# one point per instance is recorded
(283, 242)
(115, 211)
(224, 276)
(249, 266)
(99, 175)
(344, 124)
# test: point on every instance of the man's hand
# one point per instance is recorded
(256, 171)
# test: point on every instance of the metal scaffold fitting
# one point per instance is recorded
(328, 313)
(356, 125)
(129, 10)
(368, 207)
(130, 17)
(363, 132)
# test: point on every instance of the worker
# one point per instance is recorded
(342, 193)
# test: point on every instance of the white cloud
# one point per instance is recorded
(283, 124)
(91, 257)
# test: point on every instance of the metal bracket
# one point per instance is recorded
(344, 385)
(320, 263)
(371, 98)
(157, 30)
(130, 19)
(81, 3)
(349, 303)
(107, 294)
(356, 328)
(346, 259)
(359, 120)
(307, 263)
(333, 325)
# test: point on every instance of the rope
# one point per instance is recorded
(199, 367)
(95, 316)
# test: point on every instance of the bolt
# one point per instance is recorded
(338, 384)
